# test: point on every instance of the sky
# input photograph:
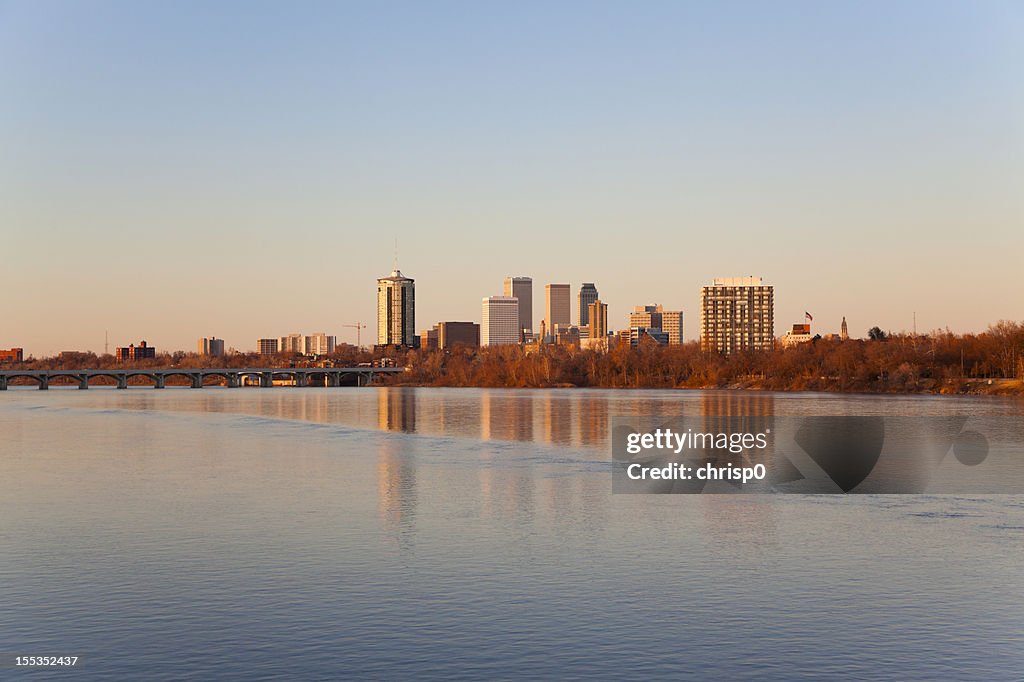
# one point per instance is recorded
(177, 170)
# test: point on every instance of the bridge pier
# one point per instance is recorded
(266, 379)
(122, 381)
(159, 381)
(333, 380)
(299, 378)
(233, 380)
(83, 382)
(197, 380)
(3, 383)
(44, 382)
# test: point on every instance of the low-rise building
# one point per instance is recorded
(800, 333)
(451, 334)
(133, 352)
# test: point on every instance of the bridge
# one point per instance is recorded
(232, 378)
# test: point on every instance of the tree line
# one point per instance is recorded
(940, 362)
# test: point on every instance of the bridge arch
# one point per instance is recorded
(89, 376)
(226, 376)
(34, 376)
(149, 375)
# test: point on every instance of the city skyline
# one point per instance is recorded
(162, 182)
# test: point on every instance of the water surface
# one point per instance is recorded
(462, 533)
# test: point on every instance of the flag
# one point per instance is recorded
(808, 316)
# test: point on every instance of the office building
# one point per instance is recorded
(396, 310)
(500, 323)
(451, 334)
(737, 313)
(428, 338)
(568, 336)
(267, 346)
(522, 288)
(597, 313)
(133, 352)
(12, 355)
(672, 325)
(211, 346)
(587, 295)
(557, 307)
(656, 317)
(800, 333)
(638, 335)
(646, 316)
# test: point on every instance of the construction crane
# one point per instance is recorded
(358, 326)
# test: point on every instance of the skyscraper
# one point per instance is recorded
(587, 295)
(500, 322)
(597, 314)
(396, 310)
(737, 313)
(267, 346)
(558, 308)
(522, 288)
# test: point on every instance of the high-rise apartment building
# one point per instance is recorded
(396, 310)
(292, 343)
(557, 307)
(737, 313)
(267, 346)
(318, 344)
(587, 295)
(500, 322)
(522, 288)
(211, 346)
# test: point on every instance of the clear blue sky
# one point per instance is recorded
(172, 170)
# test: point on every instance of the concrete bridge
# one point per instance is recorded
(233, 378)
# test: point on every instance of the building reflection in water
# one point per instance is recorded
(593, 420)
(396, 409)
(556, 411)
(747, 520)
(396, 492)
(506, 415)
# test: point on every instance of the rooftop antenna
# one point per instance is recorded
(396, 255)
(106, 342)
